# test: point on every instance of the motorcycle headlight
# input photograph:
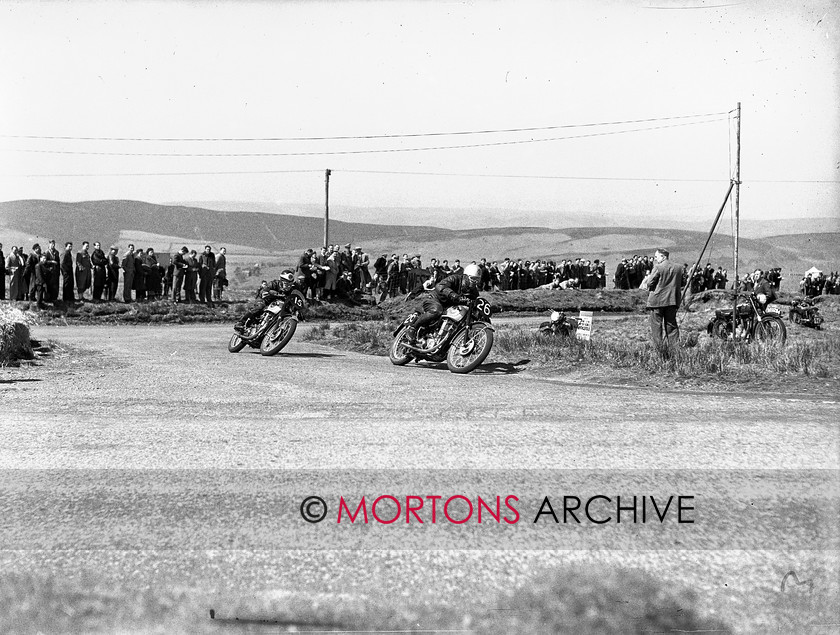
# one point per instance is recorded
(762, 298)
(555, 316)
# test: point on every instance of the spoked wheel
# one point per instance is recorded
(399, 354)
(770, 329)
(469, 349)
(722, 330)
(236, 343)
(278, 336)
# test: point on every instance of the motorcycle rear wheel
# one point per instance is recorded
(278, 336)
(770, 329)
(398, 354)
(236, 343)
(469, 349)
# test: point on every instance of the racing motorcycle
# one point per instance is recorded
(273, 328)
(752, 322)
(559, 324)
(805, 312)
(462, 336)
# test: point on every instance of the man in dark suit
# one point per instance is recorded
(112, 280)
(665, 284)
(67, 276)
(55, 275)
(99, 262)
(179, 272)
(128, 273)
(83, 271)
(206, 272)
(29, 271)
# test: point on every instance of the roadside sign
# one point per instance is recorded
(584, 329)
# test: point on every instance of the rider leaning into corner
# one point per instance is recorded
(452, 290)
(268, 293)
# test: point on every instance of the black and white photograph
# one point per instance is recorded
(420, 317)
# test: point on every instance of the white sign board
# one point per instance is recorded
(584, 329)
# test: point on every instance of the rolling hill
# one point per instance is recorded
(261, 234)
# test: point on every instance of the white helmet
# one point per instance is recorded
(474, 273)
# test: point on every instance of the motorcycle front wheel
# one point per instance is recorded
(398, 354)
(236, 343)
(278, 336)
(770, 329)
(469, 349)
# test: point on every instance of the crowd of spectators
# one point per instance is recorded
(46, 275)
(816, 284)
(324, 275)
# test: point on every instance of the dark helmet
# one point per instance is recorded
(286, 280)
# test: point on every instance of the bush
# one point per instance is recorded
(14, 336)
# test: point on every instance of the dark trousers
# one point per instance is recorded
(176, 289)
(432, 310)
(98, 282)
(205, 289)
(663, 326)
(67, 288)
(128, 281)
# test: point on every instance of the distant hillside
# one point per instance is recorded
(284, 236)
(105, 220)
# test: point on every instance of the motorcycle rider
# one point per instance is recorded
(452, 290)
(268, 293)
(763, 289)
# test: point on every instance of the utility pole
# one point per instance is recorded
(737, 200)
(327, 209)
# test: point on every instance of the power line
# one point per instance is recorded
(346, 152)
(357, 137)
(536, 176)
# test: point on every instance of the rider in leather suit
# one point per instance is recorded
(452, 290)
(268, 293)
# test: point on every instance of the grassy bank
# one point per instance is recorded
(620, 352)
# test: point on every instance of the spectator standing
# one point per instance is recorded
(112, 274)
(67, 274)
(664, 284)
(128, 273)
(14, 267)
(99, 263)
(54, 269)
(191, 280)
(83, 271)
(220, 277)
(141, 270)
(153, 275)
(206, 272)
(180, 266)
(41, 279)
(29, 271)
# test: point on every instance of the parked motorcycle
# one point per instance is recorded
(273, 328)
(805, 312)
(462, 336)
(559, 324)
(752, 322)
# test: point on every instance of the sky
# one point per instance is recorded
(138, 89)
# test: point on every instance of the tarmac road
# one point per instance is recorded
(125, 454)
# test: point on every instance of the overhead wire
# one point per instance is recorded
(360, 137)
(351, 152)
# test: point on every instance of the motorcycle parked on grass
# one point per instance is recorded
(559, 324)
(273, 328)
(752, 322)
(805, 312)
(462, 336)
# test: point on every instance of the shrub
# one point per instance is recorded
(14, 336)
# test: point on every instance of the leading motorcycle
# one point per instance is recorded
(462, 336)
(273, 328)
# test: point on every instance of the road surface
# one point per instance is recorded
(152, 455)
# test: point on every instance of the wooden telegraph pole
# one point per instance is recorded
(737, 212)
(327, 209)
